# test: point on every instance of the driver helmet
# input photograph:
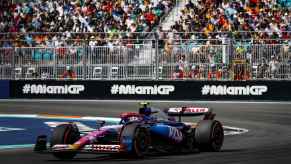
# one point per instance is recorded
(144, 108)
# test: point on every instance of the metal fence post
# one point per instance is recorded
(13, 62)
(231, 53)
(156, 56)
(84, 57)
(55, 64)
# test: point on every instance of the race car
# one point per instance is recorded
(150, 130)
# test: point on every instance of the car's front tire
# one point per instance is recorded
(65, 134)
(140, 142)
(139, 138)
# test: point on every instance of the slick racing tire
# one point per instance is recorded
(209, 135)
(65, 134)
(139, 140)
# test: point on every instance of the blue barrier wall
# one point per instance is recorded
(4, 89)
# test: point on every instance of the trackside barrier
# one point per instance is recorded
(4, 89)
(151, 90)
(90, 62)
(169, 60)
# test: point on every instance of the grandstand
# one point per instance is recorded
(148, 39)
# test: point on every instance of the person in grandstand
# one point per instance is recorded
(194, 72)
(274, 67)
(262, 68)
(178, 73)
(212, 73)
(69, 73)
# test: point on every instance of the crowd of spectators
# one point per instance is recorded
(106, 22)
(238, 19)
(104, 18)
(244, 23)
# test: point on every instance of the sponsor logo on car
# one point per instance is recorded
(255, 90)
(188, 110)
(49, 89)
(142, 90)
(113, 148)
(175, 134)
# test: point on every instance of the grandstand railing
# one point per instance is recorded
(200, 59)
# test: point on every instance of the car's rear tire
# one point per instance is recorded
(65, 134)
(209, 135)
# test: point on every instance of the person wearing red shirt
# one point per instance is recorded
(150, 17)
(69, 74)
(194, 72)
(179, 73)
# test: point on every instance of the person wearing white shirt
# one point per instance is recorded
(274, 67)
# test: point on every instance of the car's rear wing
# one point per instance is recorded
(191, 111)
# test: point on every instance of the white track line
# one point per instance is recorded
(19, 115)
(5, 147)
(229, 130)
(85, 118)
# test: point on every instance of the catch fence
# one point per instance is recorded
(151, 60)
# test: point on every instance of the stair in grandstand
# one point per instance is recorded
(174, 15)
(147, 49)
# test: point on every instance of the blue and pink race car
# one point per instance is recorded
(139, 133)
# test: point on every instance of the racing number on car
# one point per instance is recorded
(175, 134)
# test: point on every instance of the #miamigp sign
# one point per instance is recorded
(152, 90)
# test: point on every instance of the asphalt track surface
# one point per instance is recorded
(268, 139)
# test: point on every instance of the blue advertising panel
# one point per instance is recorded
(4, 89)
